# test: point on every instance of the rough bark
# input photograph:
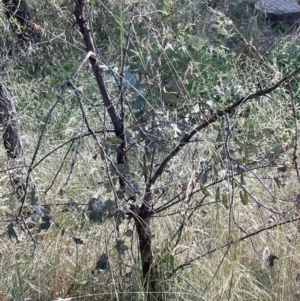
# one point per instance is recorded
(148, 267)
(19, 15)
(9, 121)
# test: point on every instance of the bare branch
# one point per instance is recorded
(67, 142)
(188, 263)
(115, 118)
(96, 69)
(228, 110)
(295, 138)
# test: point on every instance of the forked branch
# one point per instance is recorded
(227, 110)
(114, 117)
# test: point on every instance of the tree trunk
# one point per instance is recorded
(19, 15)
(145, 244)
(141, 215)
(9, 121)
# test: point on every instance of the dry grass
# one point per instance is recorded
(56, 268)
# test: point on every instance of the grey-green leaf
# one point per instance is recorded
(244, 197)
(102, 263)
(225, 200)
(109, 205)
(121, 247)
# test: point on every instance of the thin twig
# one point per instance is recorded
(218, 268)
(58, 100)
(212, 119)
(188, 263)
(295, 138)
(67, 142)
(172, 202)
(60, 167)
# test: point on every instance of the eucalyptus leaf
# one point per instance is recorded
(129, 233)
(225, 200)
(203, 177)
(126, 67)
(182, 126)
(131, 189)
(244, 197)
(11, 231)
(130, 79)
(109, 205)
(218, 194)
(41, 211)
(138, 114)
(96, 208)
(277, 149)
(45, 224)
(204, 190)
(170, 98)
(121, 247)
(193, 40)
(138, 103)
(102, 263)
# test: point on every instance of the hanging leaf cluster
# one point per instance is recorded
(99, 209)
